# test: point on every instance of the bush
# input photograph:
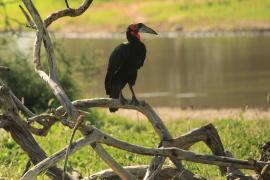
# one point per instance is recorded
(25, 83)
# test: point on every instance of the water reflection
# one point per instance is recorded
(230, 71)
(201, 72)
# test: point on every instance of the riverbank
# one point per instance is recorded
(168, 15)
(164, 34)
(172, 114)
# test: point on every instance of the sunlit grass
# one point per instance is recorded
(220, 14)
(242, 137)
(114, 14)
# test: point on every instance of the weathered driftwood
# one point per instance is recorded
(21, 106)
(117, 168)
(168, 147)
(265, 156)
(20, 133)
(3, 68)
(208, 134)
(97, 136)
(51, 79)
(50, 161)
(234, 173)
(4, 121)
(154, 119)
(70, 12)
(167, 172)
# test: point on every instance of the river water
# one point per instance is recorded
(193, 71)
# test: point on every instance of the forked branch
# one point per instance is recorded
(173, 148)
(96, 136)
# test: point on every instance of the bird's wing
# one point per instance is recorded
(117, 58)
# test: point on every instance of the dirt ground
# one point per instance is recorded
(168, 114)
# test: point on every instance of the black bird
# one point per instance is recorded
(124, 62)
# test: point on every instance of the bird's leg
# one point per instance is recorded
(122, 99)
(134, 99)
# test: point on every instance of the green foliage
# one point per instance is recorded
(26, 84)
(242, 137)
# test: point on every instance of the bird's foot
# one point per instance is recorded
(135, 101)
(143, 103)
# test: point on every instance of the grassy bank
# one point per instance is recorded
(164, 15)
(242, 137)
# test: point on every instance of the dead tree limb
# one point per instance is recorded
(208, 134)
(5, 121)
(167, 172)
(3, 68)
(67, 5)
(50, 161)
(68, 12)
(21, 106)
(151, 115)
(169, 147)
(78, 123)
(116, 167)
(47, 41)
(20, 133)
(47, 121)
(52, 79)
(234, 173)
(96, 136)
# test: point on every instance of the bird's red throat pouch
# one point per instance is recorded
(136, 34)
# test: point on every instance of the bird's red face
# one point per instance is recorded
(134, 30)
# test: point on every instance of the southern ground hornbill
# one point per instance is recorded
(124, 63)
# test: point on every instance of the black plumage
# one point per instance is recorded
(124, 62)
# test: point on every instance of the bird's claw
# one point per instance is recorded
(135, 101)
(143, 103)
(123, 100)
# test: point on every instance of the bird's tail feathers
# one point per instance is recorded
(114, 93)
(113, 109)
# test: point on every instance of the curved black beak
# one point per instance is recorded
(144, 29)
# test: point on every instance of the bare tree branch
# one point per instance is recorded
(231, 171)
(66, 1)
(78, 123)
(208, 134)
(60, 155)
(20, 133)
(21, 106)
(28, 165)
(169, 147)
(47, 41)
(176, 153)
(117, 168)
(47, 121)
(28, 19)
(68, 12)
(167, 172)
(144, 108)
(4, 121)
(52, 79)
(3, 68)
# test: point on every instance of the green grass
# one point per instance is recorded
(224, 14)
(243, 138)
(112, 15)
